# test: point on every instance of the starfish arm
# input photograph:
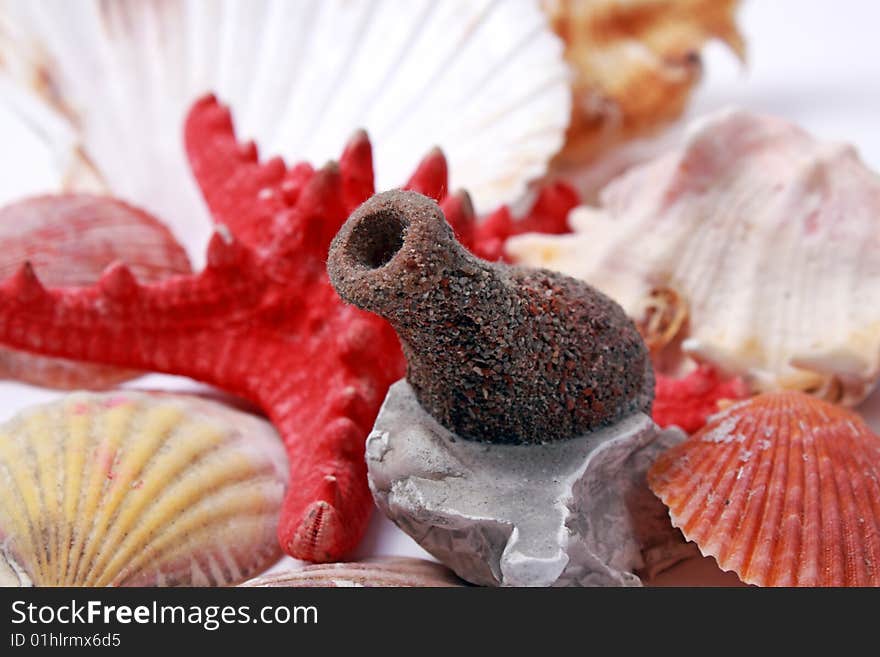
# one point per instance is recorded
(431, 177)
(459, 212)
(548, 214)
(322, 394)
(254, 199)
(324, 413)
(328, 504)
(261, 320)
(356, 166)
(241, 192)
(182, 325)
(323, 397)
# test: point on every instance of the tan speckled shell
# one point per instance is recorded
(635, 64)
(129, 489)
(783, 489)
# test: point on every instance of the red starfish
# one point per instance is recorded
(261, 320)
(688, 402)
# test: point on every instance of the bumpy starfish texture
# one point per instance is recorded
(688, 402)
(548, 214)
(70, 239)
(261, 320)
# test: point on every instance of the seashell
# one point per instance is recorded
(485, 80)
(783, 489)
(128, 489)
(390, 572)
(635, 64)
(69, 240)
(768, 241)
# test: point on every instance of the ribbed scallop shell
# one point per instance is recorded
(393, 572)
(486, 81)
(129, 489)
(756, 243)
(783, 489)
(70, 239)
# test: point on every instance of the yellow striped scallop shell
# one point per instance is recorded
(131, 489)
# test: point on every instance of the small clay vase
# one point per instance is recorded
(495, 352)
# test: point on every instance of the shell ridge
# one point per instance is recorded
(872, 480)
(790, 532)
(22, 485)
(44, 460)
(479, 88)
(261, 105)
(711, 473)
(101, 511)
(367, 105)
(76, 461)
(155, 428)
(801, 576)
(112, 495)
(834, 538)
(737, 495)
(239, 484)
(170, 551)
(842, 545)
(819, 286)
(66, 501)
(758, 559)
(805, 511)
(721, 316)
(761, 505)
(113, 81)
(860, 473)
(767, 261)
(815, 554)
(228, 562)
(873, 494)
(687, 256)
(321, 107)
(139, 519)
(858, 569)
(114, 423)
(405, 112)
(146, 540)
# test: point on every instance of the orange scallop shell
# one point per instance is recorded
(783, 489)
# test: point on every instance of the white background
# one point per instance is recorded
(815, 62)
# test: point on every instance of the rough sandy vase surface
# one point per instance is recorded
(495, 353)
(559, 514)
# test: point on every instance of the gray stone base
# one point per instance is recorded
(516, 515)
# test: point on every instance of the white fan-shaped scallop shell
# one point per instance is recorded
(771, 239)
(486, 81)
(130, 489)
